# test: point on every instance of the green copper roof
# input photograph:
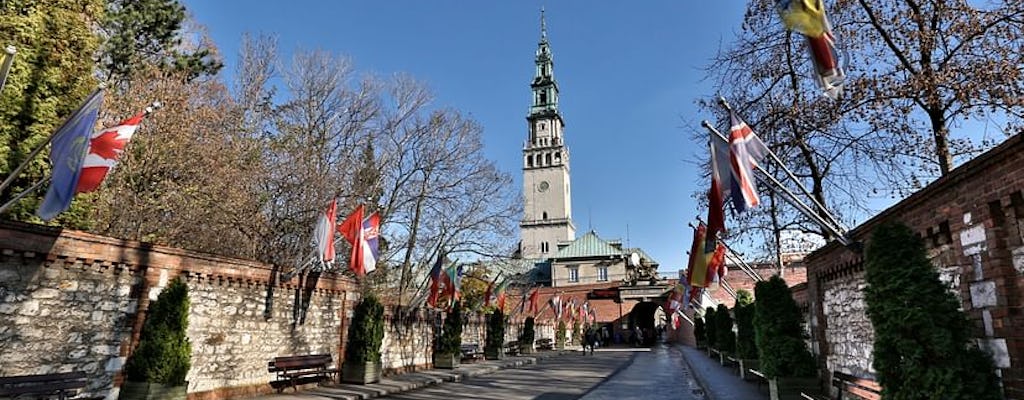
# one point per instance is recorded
(588, 245)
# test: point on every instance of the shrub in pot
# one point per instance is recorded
(495, 344)
(782, 353)
(449, 345)
(157, 368)
(365, 334)
(526, 338)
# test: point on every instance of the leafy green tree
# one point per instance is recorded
(780, 338)
(746, 346)
(50, 77)
(922, 346)
(164, 353)
(366, 331)
(710, 328)
(150, 32)
(725, 337)
(451, 333)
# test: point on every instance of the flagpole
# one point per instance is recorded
(792, 177)
(790, 196)
(17, 171)
(6, 68)
(22, 195)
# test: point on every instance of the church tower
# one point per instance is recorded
(547, 216)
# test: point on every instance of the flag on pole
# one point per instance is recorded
(67, 151)
(808, 17)
(362, 233)
(435, 279)
(453, 282)
(105, 148)
(489, 292)
(746, 150)
(9, 52)
(716, 195)
(323, 235)
(696, 272)
(534, 296)
(499, 294)
(556, 306)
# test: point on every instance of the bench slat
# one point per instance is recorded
(863, 393)
(43, 388)
(62, 376)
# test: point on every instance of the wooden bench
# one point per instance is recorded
(471, 352)
(61, 385)
(294, 370)
(545, 344)
(512, 348)
(846, 384)
(759, 376)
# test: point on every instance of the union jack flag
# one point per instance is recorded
(746, 150)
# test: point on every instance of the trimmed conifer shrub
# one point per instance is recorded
(495, 333)
(699, 331)
(778, 332)
(560, 333)
(725, 337)
(922, 346)
(164, 354)
(366, 331)
(576, 333)
(710, 328)
(527, 335)
(451, 332)
(746, 346)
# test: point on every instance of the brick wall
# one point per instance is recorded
(71, 301)
(972, 221)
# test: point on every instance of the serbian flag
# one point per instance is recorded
(435, 280)
(533, 300)
(746, 150)
(362, 234)
(323, 235)
(67, 152)
(105, 148)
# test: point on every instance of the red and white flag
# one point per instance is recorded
(746, 150)
(105, 148)
(363, 235)
(323, 235)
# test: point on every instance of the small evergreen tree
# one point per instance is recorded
(746, 347)
(451, 332)
(779, 336)
(710, 334)
(526, 337)
(724, 336)
(164, 353)
(922, 346)
(560, 334)
(699, 332)
(495, 333)
(366, 332)
(577, 334)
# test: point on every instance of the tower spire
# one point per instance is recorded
(543, 26)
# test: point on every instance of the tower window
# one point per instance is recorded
(548, 159)
(574, 273)
(543, 247)
(545, 216)
(529, 160)
(543, 97)
(558, 156)
(602, 273)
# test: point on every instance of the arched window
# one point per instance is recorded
(547, 159)
(558, 156)
(545, 216)
(529, 160)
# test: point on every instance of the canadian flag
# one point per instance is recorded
(105, 148)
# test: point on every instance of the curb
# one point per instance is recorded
(707, 394)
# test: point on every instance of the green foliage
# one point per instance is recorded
(150, 32)
(560, 334)
(710, 327)
(699, 332)
(576, 332)
(164, 353)
(527, 336)
(922, 346)
(495, 333)
(366, 331)
(725, 338)
(51, 75)
(746, 346)
(744, 297)
(778, 332)
(451, 332)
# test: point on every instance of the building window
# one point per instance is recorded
(574, 273)
(602, 274)
(529, 161)
(545, 216)
(547, 158)
(544, 247)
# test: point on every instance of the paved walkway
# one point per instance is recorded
(719, 382)
(655, 373)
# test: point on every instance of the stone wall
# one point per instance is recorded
(71, 301)
(848, 330)
(972, 222)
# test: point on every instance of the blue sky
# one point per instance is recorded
(629, 73)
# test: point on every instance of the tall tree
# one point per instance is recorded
(923, 347)
(51, 76)
(931, 65)
(148, 32)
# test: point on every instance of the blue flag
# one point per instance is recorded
(67, 152)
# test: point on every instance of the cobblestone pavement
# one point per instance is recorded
(660, 373)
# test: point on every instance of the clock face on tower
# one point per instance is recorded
(543, 186)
